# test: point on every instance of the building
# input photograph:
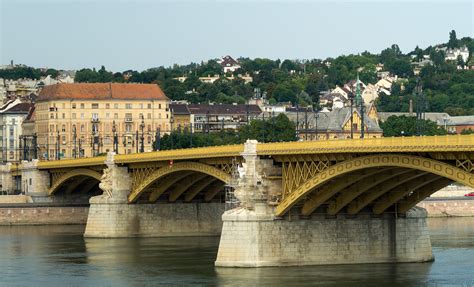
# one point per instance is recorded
(12, 114)
(453, 54)
(229, 64)
(28, 142)
(335, 124)
(180, 117)
(84, 120)
(210, 118)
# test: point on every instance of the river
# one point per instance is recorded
(60, 256)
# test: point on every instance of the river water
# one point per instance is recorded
(60, 256)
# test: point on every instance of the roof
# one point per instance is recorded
(179, 109)
(31, 115)
(15, 107)
(460, 121)
(102, 91)
(228, 61)
(223, 109)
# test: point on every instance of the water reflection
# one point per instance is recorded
(59, 255)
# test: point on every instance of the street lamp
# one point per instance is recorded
(115, 135)
(74, 134)
(142, 127)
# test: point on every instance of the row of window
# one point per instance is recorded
(98, 106)
(95, 116)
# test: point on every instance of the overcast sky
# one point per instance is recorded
(141, 34)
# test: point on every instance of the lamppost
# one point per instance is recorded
(360, 102)
(171, 132)
(115, 135)
(74, 134)
(142, 139)
(35, 145)
(157, 139)
(58, 148)
(351, 99)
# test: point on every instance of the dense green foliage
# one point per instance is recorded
(407, 126)
(279, 128)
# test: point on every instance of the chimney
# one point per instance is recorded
(410, 109)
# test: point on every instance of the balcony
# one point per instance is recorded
(128, 119)
(95, 120)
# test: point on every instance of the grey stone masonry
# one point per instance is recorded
(252, 239)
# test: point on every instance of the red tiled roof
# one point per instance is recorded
(102, 91)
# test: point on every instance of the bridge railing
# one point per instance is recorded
(389, 144)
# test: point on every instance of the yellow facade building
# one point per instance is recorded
(84, 120)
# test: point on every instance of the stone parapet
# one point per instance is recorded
(250, 239)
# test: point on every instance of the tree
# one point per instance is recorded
(396, 126)
(453, 41)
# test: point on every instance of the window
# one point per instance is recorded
(148, 116)
(82, 128)
(12, 132)
(63, 128)
(74, 115)
(64, 105)
(82, 105)
(128, 128)
(115, 116)
(128, 106)
(64, 115)
(12, 143)
(82, 115)
(141, 106)
(73, 106)
(159, 116)
(95, 116)
(107, 106)
(159, 106)
(51, 116)
(149, 106)
(63, 139)
(128, 117)
(95, 106)
(116, 106)
(107, 115)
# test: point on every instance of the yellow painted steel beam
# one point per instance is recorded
(401, 191)
(78, 162)
(213, 191)
(177, 168)
(382, 188)
(198, 187)
(73, 173)
(318, 197)
(181, 154)
(166, 183)
(361, 186)
(375, 161)
(451, 143)
(185, 185)
(422, 193)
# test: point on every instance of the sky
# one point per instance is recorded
(142, 34)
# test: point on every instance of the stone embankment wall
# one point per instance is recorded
(252, 240)
(154, 220)
(30, 214)
(448, 207)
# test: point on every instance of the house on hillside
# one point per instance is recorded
(229, 64)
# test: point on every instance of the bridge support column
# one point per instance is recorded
(7, 180)
(34, 182)
(253, 237)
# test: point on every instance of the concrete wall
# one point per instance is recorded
(154, 220)
(446, 208)
(31, 215)
(252, 240)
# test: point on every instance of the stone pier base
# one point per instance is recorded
(117, 219)
(250, 239)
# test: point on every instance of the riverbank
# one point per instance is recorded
(42, 214)
(448, 207)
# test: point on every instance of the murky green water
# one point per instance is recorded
(60, 256)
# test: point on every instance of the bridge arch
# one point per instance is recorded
(79, 172)
(183, 168)
(441, 169)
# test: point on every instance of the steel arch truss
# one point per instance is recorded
(172, 175)
(312, 190)
(59, 178)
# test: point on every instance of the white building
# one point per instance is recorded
(453, 54)
(229, 64)
(12, 115)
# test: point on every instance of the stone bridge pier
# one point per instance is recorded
(253, 236)
(111, 215)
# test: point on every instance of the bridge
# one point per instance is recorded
(354, 198)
